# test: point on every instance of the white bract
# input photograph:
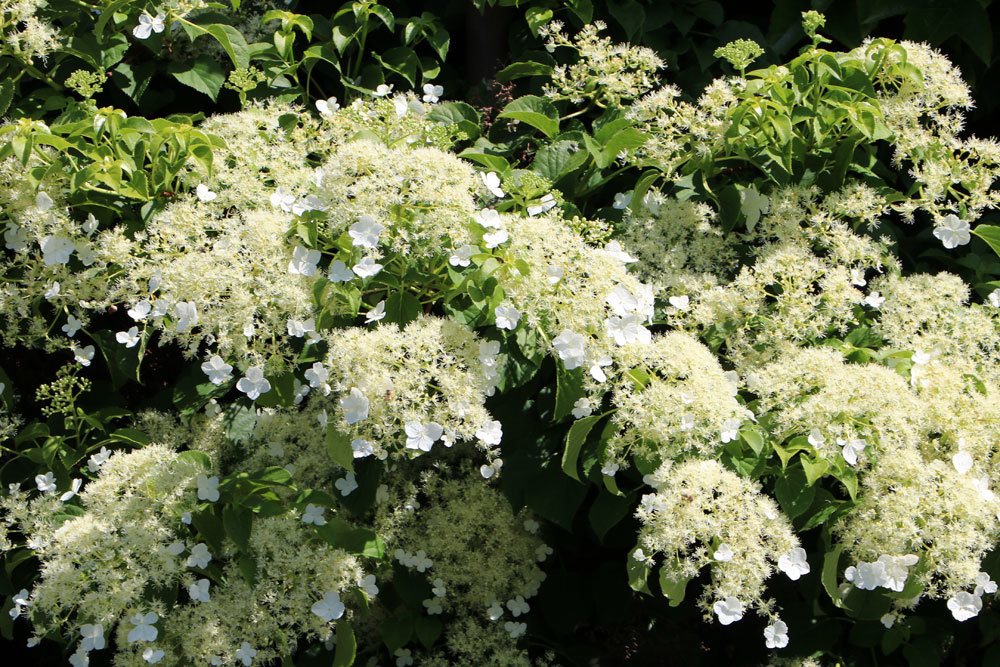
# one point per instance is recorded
(246, 653)
(204, 194)
(365, 232)
(313, 514)
(339, 272)
(198, 591)
(327, 107)
(376, 314)
(432, 93)
(355, 406)
(776, 635)
(304, 261)
(422, 436)
(952, 231)
(208, 488)
(728, 610)
(492, 183)
(347, 484)
(128, 338)
(367, 268)
(217, 370)
(330, 607)
(199, 556)
(253, 383)
(92, 637)
(724, 553)
(148, 25)
(964, 605)
(794, 563)
(143, 629)
(571, 349)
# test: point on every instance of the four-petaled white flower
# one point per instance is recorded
(730, 430)
(494, 611)
(317, 375)
(314, 514)
(614, 248)
(362, 448)
(246, 653)
(46, 483)
(79, 659)
(140, 310)
(204, 194)
(492, 183)
(365, 232)
(794, 563)
(148, 25)
(610, 469)
(217, 370)
(752, 205)
(153, 655)
(518, 606)
(984, 584)
(199, 556)
(422, 436)
(858, 277)
(208, 488)
(95, 462)
(186, 314)
(355, 406)
(433, 606)
(962, 462)
(144, 629)
(582, 408)
(682, 302)
(253, 383)
(724, 553)
(622, 200)
(367, 584)
(376, 314)
(627, 330)
(72, 326)
(299, 328)
(83, 355)
(74, 488)
(776, 635)
(496, 238)
(93, 637)
(952, 231)
(53, 291)
(571, 349)
(381, 90)
(198, 591)
(339, 273)
(20, 603)
(488, 218)
(816, 438)
(432, 93)
(128, 338)
(43, 202)
(367, 267)
(554, 274)
(994, 298)
(490, 433)
(964, 605)
(329, 608)
(56, 250)
(728, 610)
(597, 369)
(404, 658)
(488, 471)
(327, 107)
(544, 204)
(347, 484)
(282, 200)
(515, 629)
(462, 256)
(304, 261)
(852, 449)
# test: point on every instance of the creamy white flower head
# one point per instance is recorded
(143, 629)
(354, 406)
(347, 484)
(304, 261)
(776, 635)
(198, 591)
(246, 653)
(330, 607)
(952, 231)
(367, 267)
(56, 250)
(253, 383)
(794, 563)
(422, 436)
(217, 370)
(365, 232)
(208, 488)
(432, 93)
(128, 338)
(728, 610)
(376, 314)
(199, 556)
(492, 182)
(327, 107)
(571, 348)
(964, 605)
(204, 194)
(148, 25)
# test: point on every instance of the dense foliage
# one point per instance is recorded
(497, 333)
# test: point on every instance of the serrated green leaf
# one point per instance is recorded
(535, 111)
(204, 75)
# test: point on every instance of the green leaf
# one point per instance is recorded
(813, 468)
(638, 574)
(205, 75)
(990, 234)
(629, 14)
(342, 535)
(558, 159)
(606, 512)
(396, 630)
(195, 456)
(402, 308)
(575, 438)
(338, 444)
(233, 42)
(122, 361)
(830, 574)
(569, 389)
(672, 589)
(522, 69)
(428, 629)
(403, 61)
(237, 523)
(6, 95)
(793, 494)
(536, 17)
(347, 645)
(535, 111)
